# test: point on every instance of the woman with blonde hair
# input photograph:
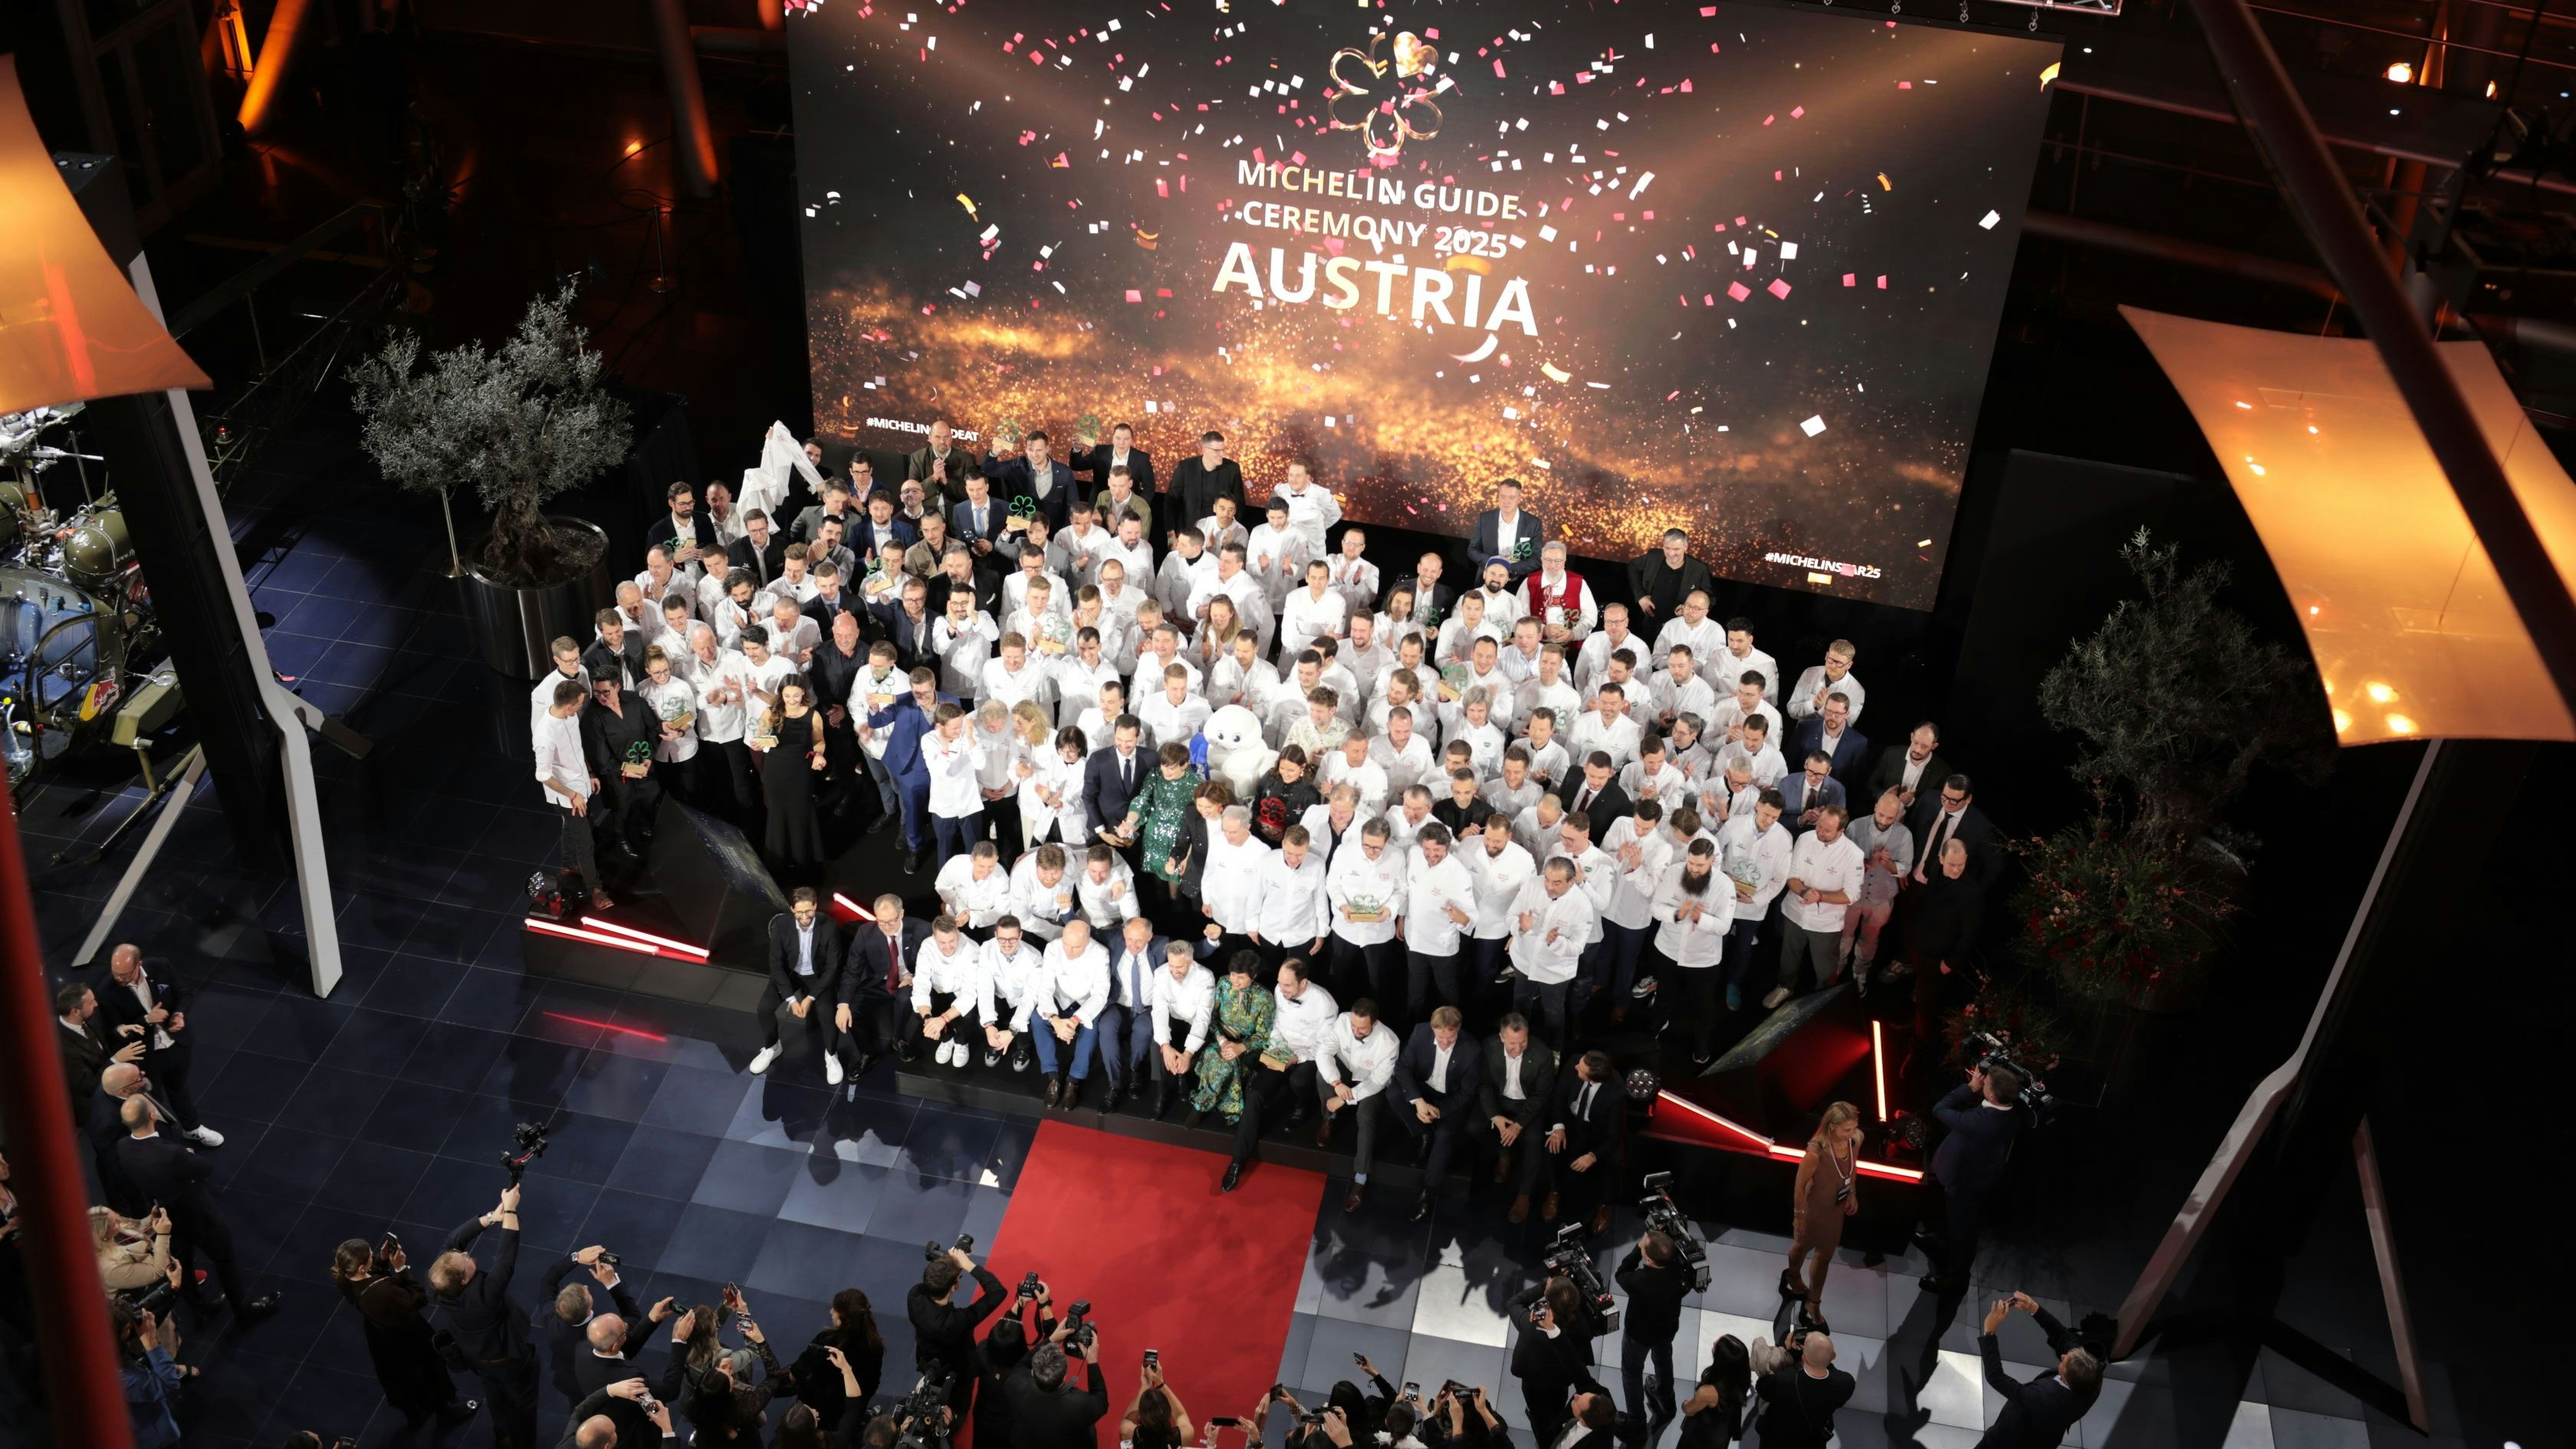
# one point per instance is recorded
(134, 1257)
(1827, 1192)
(1038, 772)
(1216, 635)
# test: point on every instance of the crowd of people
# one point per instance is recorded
(1237, 819)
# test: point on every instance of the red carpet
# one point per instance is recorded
(1168, 1263)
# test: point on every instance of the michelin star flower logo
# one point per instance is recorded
(1386, 115)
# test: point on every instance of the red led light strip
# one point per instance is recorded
(619, 938)
(1878, 1065)
(597, 924)
(609, 1026)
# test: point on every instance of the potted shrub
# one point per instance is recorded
(520, 424)
(2176, 701)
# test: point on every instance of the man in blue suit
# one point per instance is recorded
(2037, 1414)
(1437, 1076)
(906, 722)
(1984, 1117)
(1113, 776)
(1826, 734)
(1034, 476)
(1809, 791)
(1125, 1030)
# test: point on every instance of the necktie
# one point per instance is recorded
(1136, 979)
(1583, 801)
(894, 960)
(1583, 1103)
(1127, 773)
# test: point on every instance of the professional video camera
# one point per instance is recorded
(932, 1252)
(1987, 1051)
(1666, 1218)
(528, 1143)
(1567, 1258)
(921, 1420)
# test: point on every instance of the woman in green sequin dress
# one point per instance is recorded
(1162, 806)
(1243, 1011)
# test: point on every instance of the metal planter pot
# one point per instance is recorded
(512, 626)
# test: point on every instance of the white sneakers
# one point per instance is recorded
(832, 1068)
(958, 1054)
(768, 1054)
(204, 1136)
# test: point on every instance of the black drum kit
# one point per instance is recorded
(77, 632)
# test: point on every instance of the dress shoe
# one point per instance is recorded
(1299, 1115)
(1191, 1118)
(264, 1306)
(1055, 1091)
(1421, 1207)
(1117, 1094)
(881, 825)
(1072, 1092)
(1324, 1132)
(1520, 1209)
(1600, 1220)
(1233, 1176)
(1351, 1199)
(1935, 1284)
(911, 861)
(1163, 1102)
(1547, 1208)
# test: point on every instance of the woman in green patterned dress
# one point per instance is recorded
(1243, 1011)
(1159, 810)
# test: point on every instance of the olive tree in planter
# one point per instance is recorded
(520, 424)
(2177, 701)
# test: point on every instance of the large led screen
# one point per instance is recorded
(1732, 267)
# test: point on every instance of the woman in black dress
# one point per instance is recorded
(1715, 1410)
(790, 763)
(389, 1300)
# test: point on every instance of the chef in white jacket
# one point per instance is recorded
(1365, 888)
(1693, 908)
(1003, 993)
(1552, 920)
(1231, 880)
(1500, 867)
(947, 984)
(1064, 1008)
(1352, 1068)
(1184, 1009)
(1290, 914)
(1640, 850)
(1439, 909)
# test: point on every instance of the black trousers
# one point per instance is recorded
(510, 1390)
(1531, 1149)
(212, 1236)
(733, 790)
(877, 1024)
(1268, 1096)
(1633, 1355)
(623, 808)
(1443, 1133)
(169, 1071)
(1353, 970)
(1578, 1193)
(819, 1015)
(1430, 981)
(1546, 1005)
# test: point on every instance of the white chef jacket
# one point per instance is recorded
(1298, 1027)
(979, 903)
(1192, 999)
(1288, 907)
(1429, 890)
(1068, 985)
(1232, 879)
(959, 973)
(1370, 1063)
(1382, 879)
(1836, 867)
(1498, 879)
(1569, 918)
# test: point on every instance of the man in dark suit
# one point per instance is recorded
(613, 1345)
(1652, 1277)
(1660, 580)
(1047, 1411)
(150, 997)
(617, 734)
(1516, 1089)
(1809, 791)
(837, 503)
(875, 978)
(618, 652)
(943, 1333)
(906, 621)
(565, 1311)
(1437, 1080)
(1955, 816)
(1583, 1143)
(1114, 775)
(1920, 756)
(1984, 1118)
(1125, 1030)
(1597, 794)
(907, 722)
(941, 468)
(490, 1331)
(1552, 1358)
(832, 598)
(615, 1417)
(1035, 476)
(1508, 532)
(805, 958)
(683, 530)
(1094, 460)
(1825, 734)
(2037, 1414)
(761, 551)
(164, 1171)
(981, 521)
(85, 1052)
(1198, 482)
(105, 1127)
(1799, 1399)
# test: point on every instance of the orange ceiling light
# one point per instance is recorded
(2411, 630)
(71, 327)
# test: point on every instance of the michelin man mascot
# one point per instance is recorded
(1236, 752)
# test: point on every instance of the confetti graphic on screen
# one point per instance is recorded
(1723, 267)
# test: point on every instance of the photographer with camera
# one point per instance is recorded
(628, 1414)
(725, 1392)
(1650, 1275)
(134, 1262)
(2038, 1413)
(854, 1343)
(943, 1333)
(485, 1332)
(563, 1324)
(1799, 1398)
(802, 1427)
(1553, 1357)
(1155, 1418)
(377, 1281)
(1985, 1117)
(1004, 1353)
(152, 1378)
(1047, 1411)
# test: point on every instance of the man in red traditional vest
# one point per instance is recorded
(1560, 600)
